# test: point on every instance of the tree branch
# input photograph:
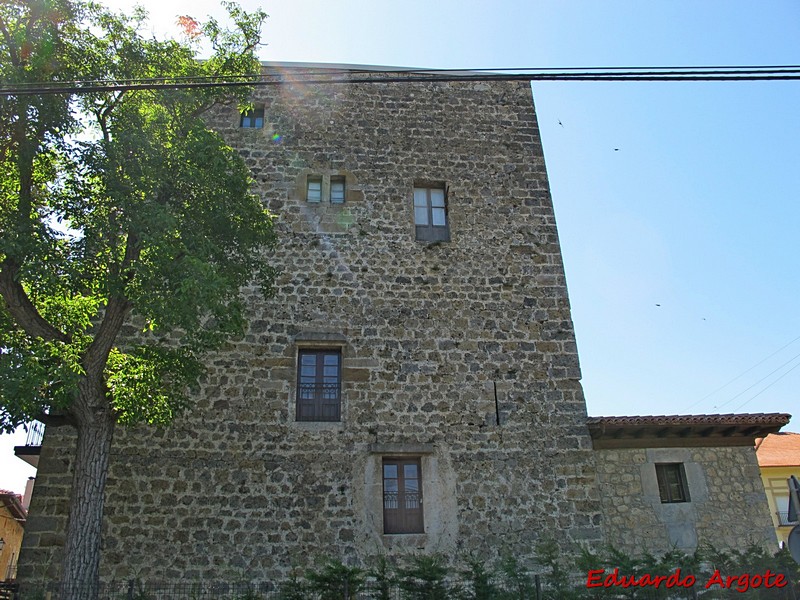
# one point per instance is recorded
(12, 49)
(21, 308)
(117, 309)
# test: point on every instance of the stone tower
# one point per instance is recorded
(413, 385)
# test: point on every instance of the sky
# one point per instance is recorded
(676, 202)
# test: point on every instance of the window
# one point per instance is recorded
(337, 190)
(782, 504)
(402, 495)
(672, 484)
(319, 384)
(314, 189)
(252, 119)
(430, 214)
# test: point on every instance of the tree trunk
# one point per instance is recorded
(95, 425)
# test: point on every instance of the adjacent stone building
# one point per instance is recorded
(683, 481)
(414, 385)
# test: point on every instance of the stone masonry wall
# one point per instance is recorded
(727, 507)
(459, 353)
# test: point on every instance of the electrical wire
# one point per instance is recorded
(768, 386)
(363, 75)
(762, 379)
(742, 374)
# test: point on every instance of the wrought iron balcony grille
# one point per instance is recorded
(318, 401)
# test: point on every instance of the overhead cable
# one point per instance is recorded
(283, 76)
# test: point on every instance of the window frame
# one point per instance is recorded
(428, 231)
(334, 180)
(316, 179)
(318, 402)
(673, 487)
(254, 117)
(402, 520)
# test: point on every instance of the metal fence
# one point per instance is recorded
(535, 587)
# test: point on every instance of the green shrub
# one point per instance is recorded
(425, 578)
(336, 581)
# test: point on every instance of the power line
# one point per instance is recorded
(762, 379)
(742, 374)
(365, 76)
(768, 386)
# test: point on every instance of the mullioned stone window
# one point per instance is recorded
(330, 188)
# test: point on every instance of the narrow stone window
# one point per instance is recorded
(252, 119)
(319, 385)
(337, 190)
(672, 485)
(430, 214)
(313, 188)
(402, 496)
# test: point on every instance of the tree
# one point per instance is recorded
(118, 207)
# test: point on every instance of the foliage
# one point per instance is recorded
(563, 576)
(118, 202)
(336, 581)
(424, 578)
(518, 584)
(382, 573)
(119, 209)
(294, 588)
(753, 560)
(560, 587)
(479, 577)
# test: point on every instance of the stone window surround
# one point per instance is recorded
(318, 341)
(407, 519)
(679, 518)
(326, 178)
(319, 395)
(374, 485)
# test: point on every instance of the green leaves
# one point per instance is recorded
(121, 199)
(150, 384)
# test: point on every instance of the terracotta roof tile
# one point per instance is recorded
(13, 502)
(779, 450)
(651, 431)
(726, 419)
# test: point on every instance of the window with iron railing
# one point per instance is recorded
(319, 385)
(402, 496)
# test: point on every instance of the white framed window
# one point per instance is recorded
(314, 188)
(337, 190)
(430, 213)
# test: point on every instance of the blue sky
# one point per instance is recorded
(697, 211)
